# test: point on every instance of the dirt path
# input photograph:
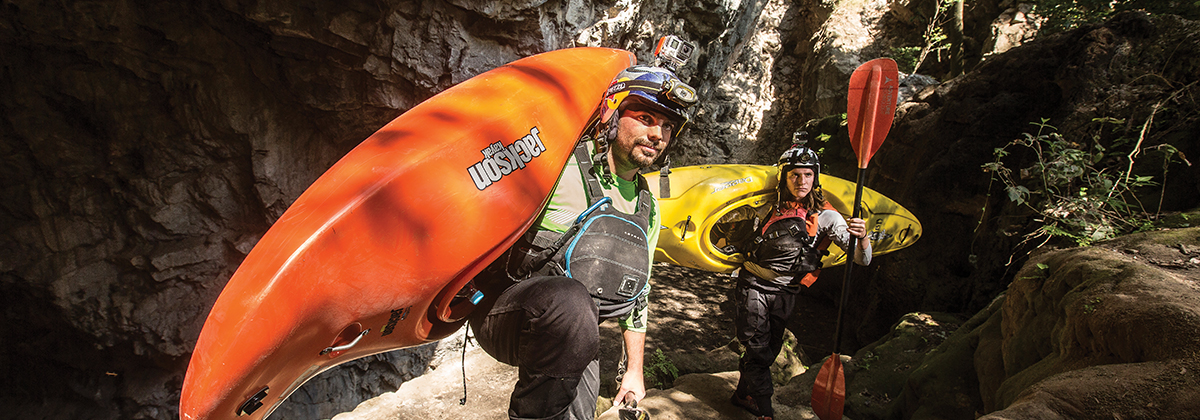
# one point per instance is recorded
(691, 324)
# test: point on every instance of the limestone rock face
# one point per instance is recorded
(147, 146)
(1098, 324)
(1012, 28)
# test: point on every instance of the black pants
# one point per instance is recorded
(761, 318)
(549, 328)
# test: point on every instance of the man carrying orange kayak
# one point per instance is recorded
(587, 258)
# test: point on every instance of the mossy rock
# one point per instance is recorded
(788, 363)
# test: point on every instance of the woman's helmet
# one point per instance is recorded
(799, 156)
(658, 88)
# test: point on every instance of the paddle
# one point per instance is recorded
(870, 107)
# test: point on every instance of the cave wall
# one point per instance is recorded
(975, 238)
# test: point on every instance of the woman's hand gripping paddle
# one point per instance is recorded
(870, 107)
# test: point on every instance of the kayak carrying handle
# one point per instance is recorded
(332, 349)
(629, 411)
(253, 403)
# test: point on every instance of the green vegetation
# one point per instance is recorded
(906, 58)
(822, 139)
(1064, 15)
(659, 371)
(1080, 191)
(1041, 272)
(1091, 304)
(867, 359)
(909, 59)
(1055, 16)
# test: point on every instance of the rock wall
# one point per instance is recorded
(148, 145)
(1101, 323)
(931, 161)
(1099, 332)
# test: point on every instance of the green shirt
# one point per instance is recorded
(570, 199)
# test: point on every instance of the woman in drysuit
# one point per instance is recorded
(784, 254)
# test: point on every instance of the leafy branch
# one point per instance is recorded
(1078, 191)
(659, 371)
(935, 39)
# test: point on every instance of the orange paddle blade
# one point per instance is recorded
(829, 392)
(871, 106)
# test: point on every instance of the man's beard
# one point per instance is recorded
(638, 157)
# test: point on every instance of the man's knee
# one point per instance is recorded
(563, 334)
(563, 302)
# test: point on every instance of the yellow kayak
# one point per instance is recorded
(703, 213)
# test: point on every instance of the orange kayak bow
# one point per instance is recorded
(370, 257)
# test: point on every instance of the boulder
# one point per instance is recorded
(1111, 330)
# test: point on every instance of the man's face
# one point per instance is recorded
(642, 134)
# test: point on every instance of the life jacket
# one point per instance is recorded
(605, 249)
(786, 250)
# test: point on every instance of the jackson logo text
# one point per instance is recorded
(500, 160)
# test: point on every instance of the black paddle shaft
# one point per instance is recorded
(837, 329)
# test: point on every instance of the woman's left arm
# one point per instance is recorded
(858, 228)
(841, 231)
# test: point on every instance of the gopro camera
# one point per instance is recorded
(800, 138)
(672, 52)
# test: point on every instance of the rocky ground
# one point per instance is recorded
(691, 336)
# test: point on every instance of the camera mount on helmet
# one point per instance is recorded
(672, 52)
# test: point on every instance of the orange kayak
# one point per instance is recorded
(370, 257)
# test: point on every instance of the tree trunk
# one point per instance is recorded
(956, 41)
